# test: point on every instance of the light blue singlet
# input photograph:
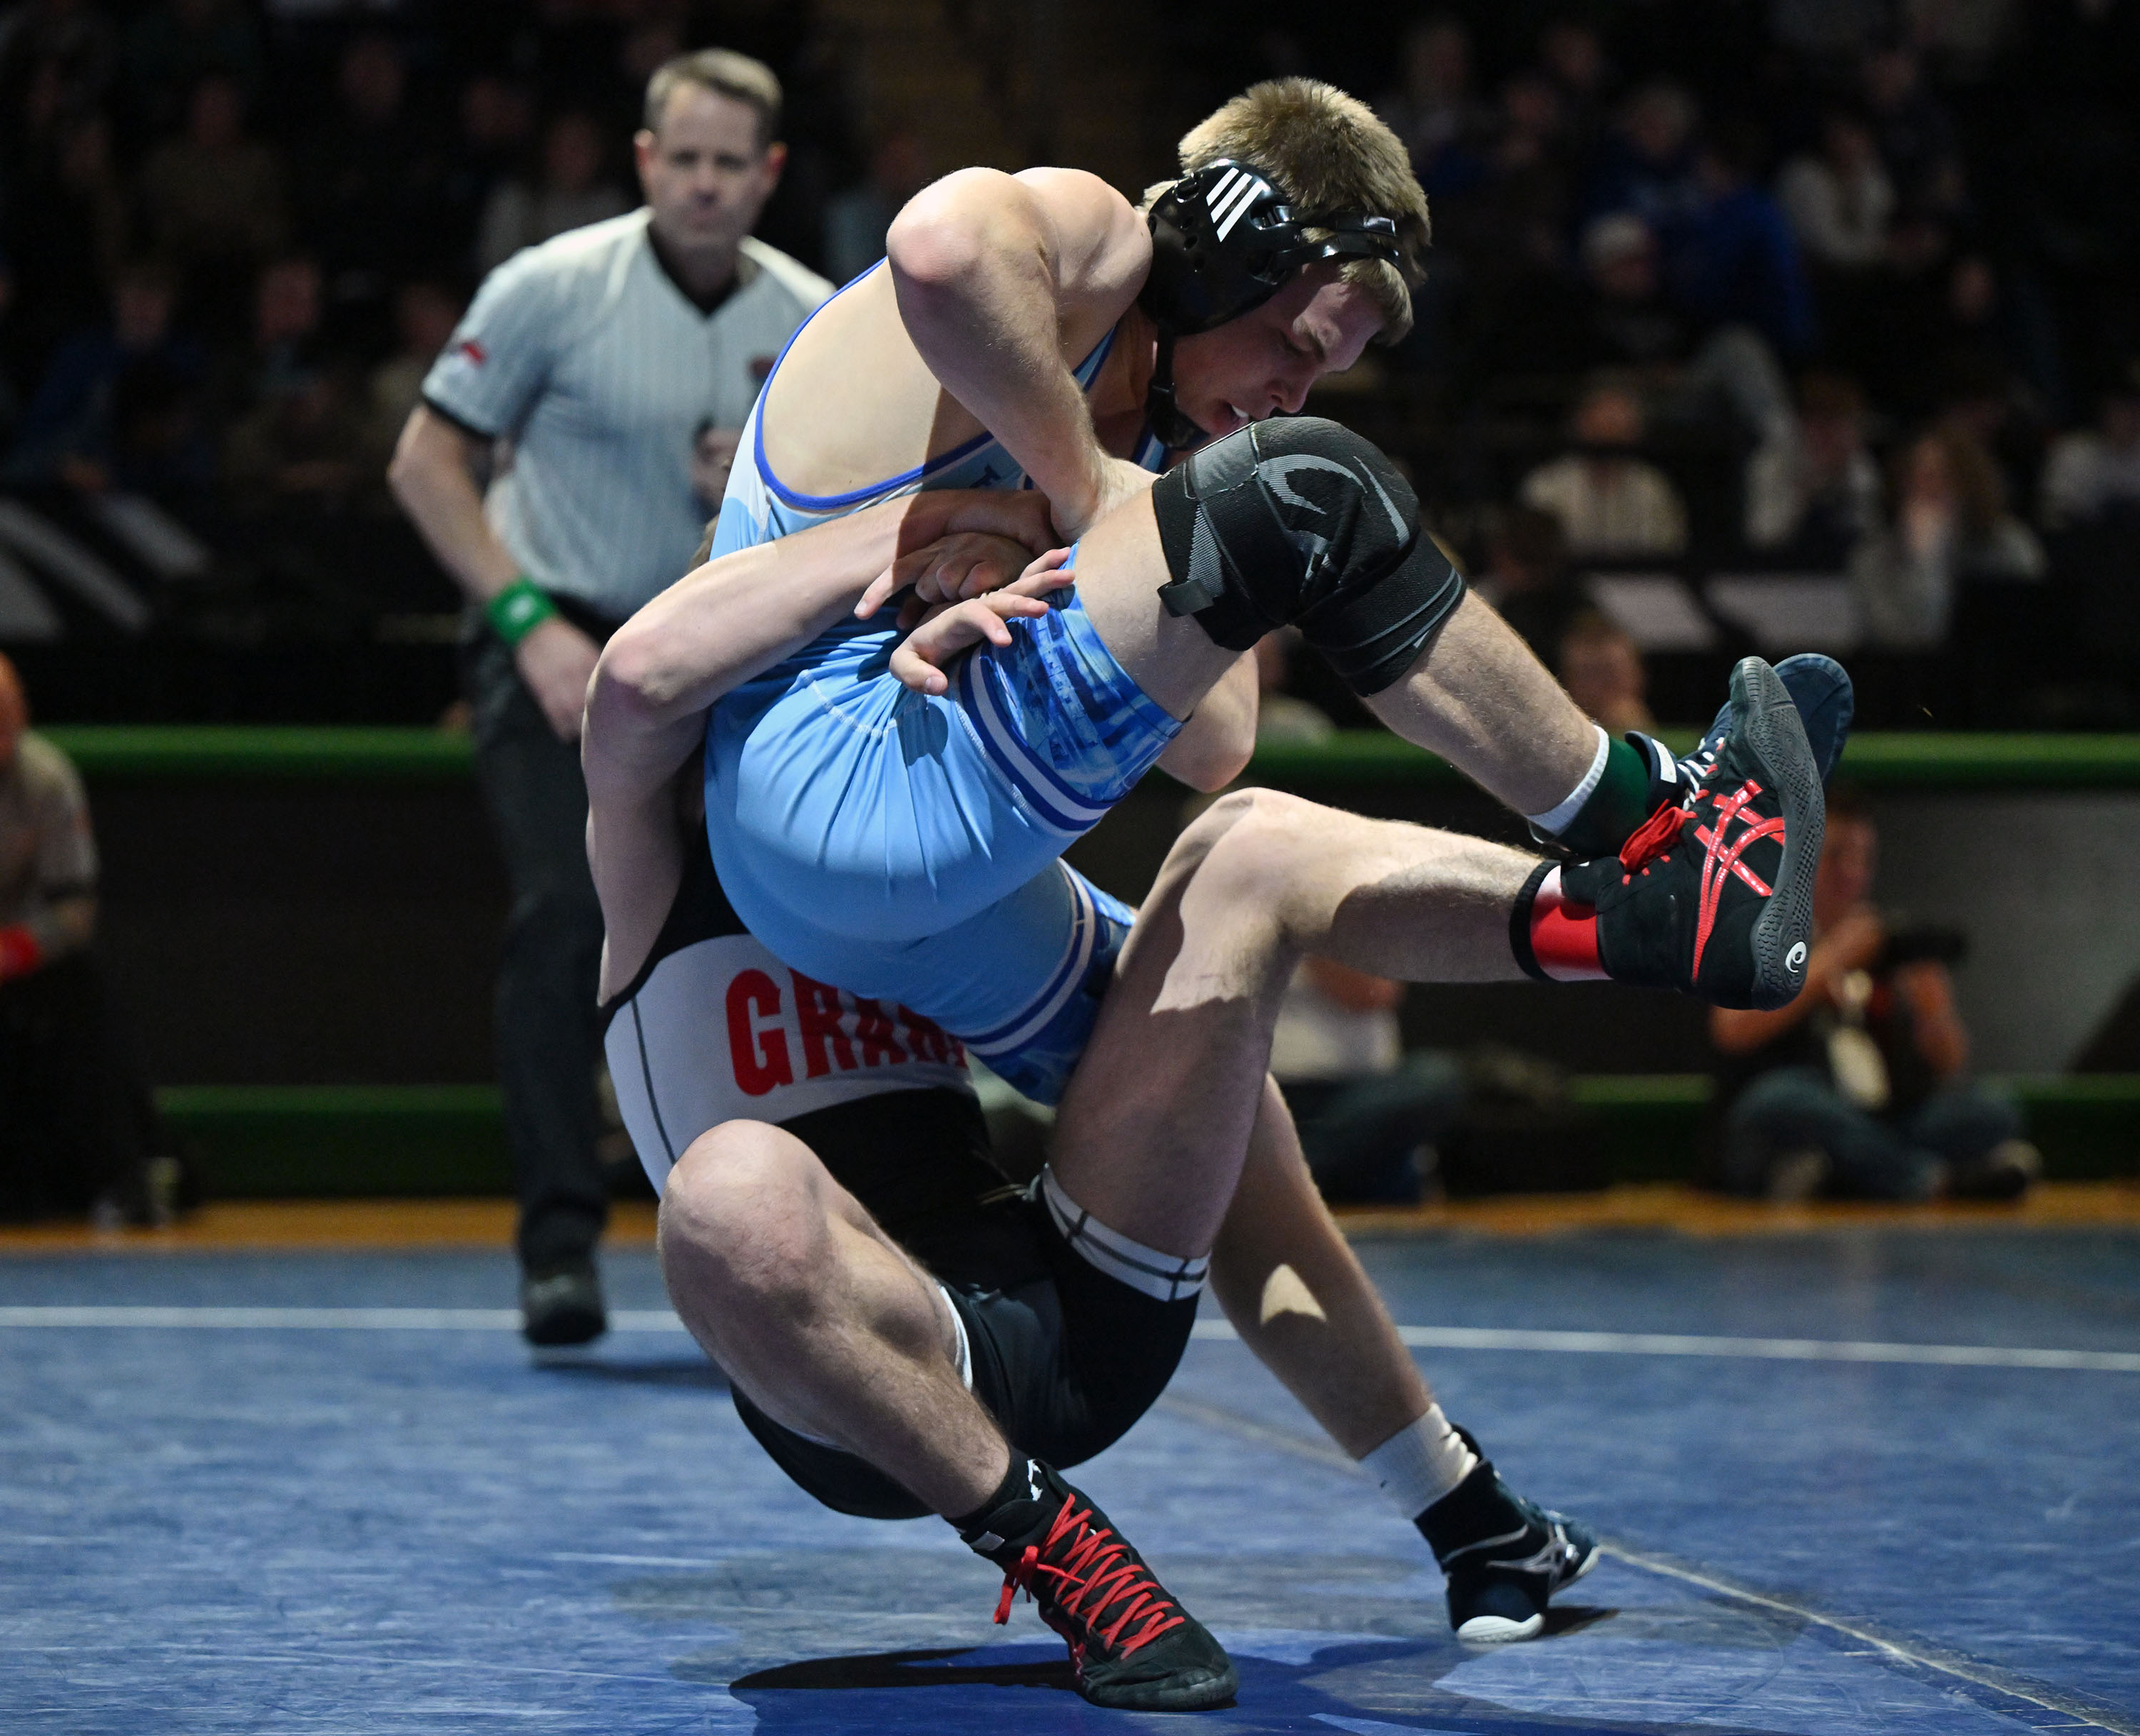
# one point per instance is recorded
(907, 848)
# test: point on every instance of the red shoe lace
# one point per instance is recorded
(1097, 1572)
(1654, 837)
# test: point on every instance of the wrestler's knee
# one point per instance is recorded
(741, 1211)
(1256, 861)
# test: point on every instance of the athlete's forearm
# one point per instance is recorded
(430, 476)
(991, 272)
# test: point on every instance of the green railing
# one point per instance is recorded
(295, 1141)
(1883, 761)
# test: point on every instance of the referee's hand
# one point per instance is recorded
(556, 661)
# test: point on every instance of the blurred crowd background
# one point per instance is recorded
(1750, 323)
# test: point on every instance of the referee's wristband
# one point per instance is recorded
(518, 610)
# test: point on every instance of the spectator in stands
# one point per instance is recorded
(370, 183)
(425, 315)
(1366, 1109)
(68, 229)
(1612, 505)
(286, 350)
(574, 190)
(1600, 665)
(497, 126)
(1510, 227)
(2092, 472)
(1629, 324)
(1826, 30)
(1434, 108)
(1950, 528)
(171, 46)
(1645, 163)
(75, 1122)
(1571, 55)
(1812, 497)
(1918, 146)
(1857, 1088)
(1840, 201)
(1730, 260)
(57, 59)
(855, 221)
(119, 406)
(1527, 578)
(307, 445)
(1729, 379)
(212, 198)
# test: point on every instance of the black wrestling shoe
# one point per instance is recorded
(1505, 1556)
(1821, 689)
(563, 1307)
(1713, 896)
(1132, 1646)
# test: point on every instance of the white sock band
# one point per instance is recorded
(1166, 1277)
(1417, 1467)
(1555, 819)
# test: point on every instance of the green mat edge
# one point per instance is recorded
(1903, 761)
(383, 1141)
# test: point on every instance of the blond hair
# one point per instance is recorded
(726, 73)
(1330, 153)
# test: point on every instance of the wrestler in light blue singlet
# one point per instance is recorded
(906, 847)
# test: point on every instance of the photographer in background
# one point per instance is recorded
(76, 1128)
(1855, 1090)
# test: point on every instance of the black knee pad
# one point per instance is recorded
(1301, 522)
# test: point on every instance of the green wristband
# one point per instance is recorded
(518, 610)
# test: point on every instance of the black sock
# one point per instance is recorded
(1025, 1496)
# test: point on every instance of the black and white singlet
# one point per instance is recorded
(714, 1028)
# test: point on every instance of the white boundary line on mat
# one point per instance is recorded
(1444, 1338)
(1776, 1349)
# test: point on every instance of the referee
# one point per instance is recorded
(581, 379)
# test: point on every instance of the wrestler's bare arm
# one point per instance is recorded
(726, 621)
(1216, 741)
(1003, 283)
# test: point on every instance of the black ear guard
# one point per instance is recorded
(1224, 240)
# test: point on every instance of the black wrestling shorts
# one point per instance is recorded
(1065, 1357)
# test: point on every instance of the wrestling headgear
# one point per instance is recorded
(1224, 240)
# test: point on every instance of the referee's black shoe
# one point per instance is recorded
(1133, 1647)
(563, 1306)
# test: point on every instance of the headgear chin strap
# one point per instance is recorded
(1224, 240)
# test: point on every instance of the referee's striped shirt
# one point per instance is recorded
(586, 356)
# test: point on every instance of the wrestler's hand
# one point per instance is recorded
(950, 629)
(964, 564)
(1014, 523)
(555, 660)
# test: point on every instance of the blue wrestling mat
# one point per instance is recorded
(1846, 1491)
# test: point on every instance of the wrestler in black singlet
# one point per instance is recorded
(713, 1028)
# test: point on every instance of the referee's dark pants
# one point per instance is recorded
(547, 1040)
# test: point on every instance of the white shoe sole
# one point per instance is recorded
(1499, 1630)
